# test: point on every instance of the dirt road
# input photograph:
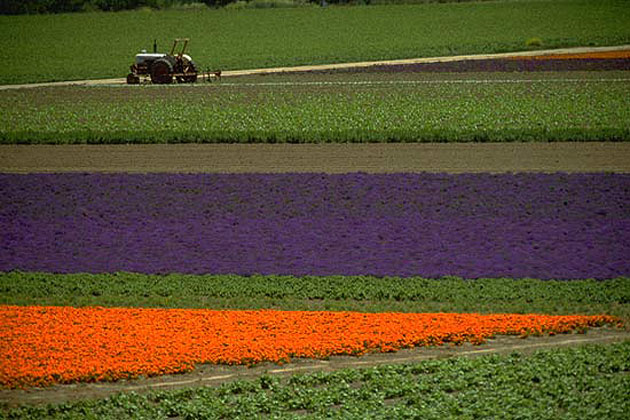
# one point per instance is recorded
(336, 66)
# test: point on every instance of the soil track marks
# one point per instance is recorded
(214, 375)
(328, 158)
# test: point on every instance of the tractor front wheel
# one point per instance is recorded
(162, 72)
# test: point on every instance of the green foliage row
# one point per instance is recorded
(340, 111)
(359, 293)
(98, 45)
(571, 383)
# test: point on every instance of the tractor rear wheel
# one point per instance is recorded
(190, 72)
(162, 72)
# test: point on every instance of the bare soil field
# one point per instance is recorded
(328, 158)
(214, 375)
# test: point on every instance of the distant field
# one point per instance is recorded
(313, 108)
(96, 45)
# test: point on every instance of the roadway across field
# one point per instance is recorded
(338, 66)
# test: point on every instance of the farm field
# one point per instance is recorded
(578, 382)
(393, 106)
(563, 226)
(120, 263)
(321, 293)
(46, 47)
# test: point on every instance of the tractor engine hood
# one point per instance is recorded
(144, 57)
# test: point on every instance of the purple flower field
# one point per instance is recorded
(473, 225)
(499, 65)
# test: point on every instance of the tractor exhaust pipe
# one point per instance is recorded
(155, 45)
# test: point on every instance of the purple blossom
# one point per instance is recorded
(500, 65)
(565, 226)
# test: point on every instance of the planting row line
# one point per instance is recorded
(45, 345)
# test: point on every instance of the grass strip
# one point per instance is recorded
(583, 382)
(321, 108)
(46, 47)
(338, 293)
(43, 345)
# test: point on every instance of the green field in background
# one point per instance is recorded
(97, 45)
(487, 107)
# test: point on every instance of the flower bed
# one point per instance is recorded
(516, 64)
(432, 225)
(590, 55)
(593, 61)
(44, 345)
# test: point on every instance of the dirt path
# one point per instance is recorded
(232, 73)
(214, 375)
(329, 158)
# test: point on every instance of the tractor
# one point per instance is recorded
(164, 68)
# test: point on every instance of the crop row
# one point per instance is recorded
(593, 55)
(346, 293)
(582, 382)
(43, 48)
(516, 64)
(42, 345)
(328, 108)
(563, 226)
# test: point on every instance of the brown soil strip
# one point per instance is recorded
(337, 66)
(328, 158)
(214, 375)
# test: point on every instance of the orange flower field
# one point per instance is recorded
(42, 345)
(591, 55)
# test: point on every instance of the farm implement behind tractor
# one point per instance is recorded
(166, 68)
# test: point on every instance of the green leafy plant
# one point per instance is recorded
(319, 108)
(357, 293)
(581, 382)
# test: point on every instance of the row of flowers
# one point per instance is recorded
(593, 55)
(471, 225)
(44, 345)
(594, 61)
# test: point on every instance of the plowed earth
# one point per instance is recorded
(328, 158)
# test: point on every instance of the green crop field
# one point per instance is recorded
(96, 45)
(593, 106)
(574, 383)
(355, 293)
